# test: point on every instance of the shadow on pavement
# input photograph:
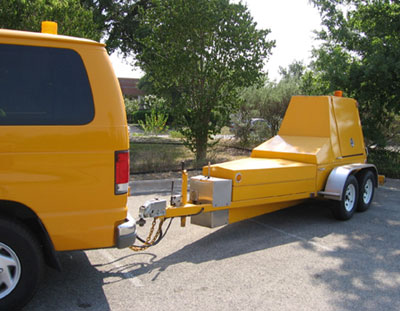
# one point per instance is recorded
(78, 287)
(367, 277)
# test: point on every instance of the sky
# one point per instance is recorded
(292, 23)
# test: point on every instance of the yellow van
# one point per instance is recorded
(64, 159)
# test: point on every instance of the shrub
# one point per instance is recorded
(131, 107)
(155, 123)
(387, 162)
(175, 134)
(140, 115)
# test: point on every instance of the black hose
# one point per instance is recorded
(158, 240)
(161, 233)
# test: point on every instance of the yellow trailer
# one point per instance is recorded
(319, 152)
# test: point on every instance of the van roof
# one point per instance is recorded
(38, 36)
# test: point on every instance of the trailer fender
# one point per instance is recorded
(338, 176)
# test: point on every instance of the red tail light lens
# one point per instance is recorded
(121, 172)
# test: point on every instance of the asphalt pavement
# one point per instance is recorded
(299, 258)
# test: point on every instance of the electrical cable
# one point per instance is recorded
(156, 242)
(161, 233)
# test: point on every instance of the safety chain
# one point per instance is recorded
(150, 241)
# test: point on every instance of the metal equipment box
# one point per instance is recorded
(211, 190)
(211, 219)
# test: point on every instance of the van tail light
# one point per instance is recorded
(121, 172)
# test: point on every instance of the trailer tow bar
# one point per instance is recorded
(157, 209)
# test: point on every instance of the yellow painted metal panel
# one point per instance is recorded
(307, 116)
(315, 150)
(266, 203)
(65, 174)
(336, 153)
(239, 214)
(240, 193)
(349, 126)
(35, 38)
(255, 171)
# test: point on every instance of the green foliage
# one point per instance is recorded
(143, 108)
(140, 115)
(241, 124)
(387, 162)
(152, 102)
(249, 132)
(361, 56)
(131, 107)
(73, 19)
(155, 123)
(175, 134)
(294, 71)
(119, 20)
(196, 54)
(312, 83)
(269, 103)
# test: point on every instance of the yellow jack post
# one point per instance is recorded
(183, 221)
(184, 184)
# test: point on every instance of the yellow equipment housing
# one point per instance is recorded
(317, 135)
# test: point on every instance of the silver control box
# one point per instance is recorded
(211, 190)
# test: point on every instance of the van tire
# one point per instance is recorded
(20, 254)
(367, 191)
(345, 208)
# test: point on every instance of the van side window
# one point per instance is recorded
(43, 86)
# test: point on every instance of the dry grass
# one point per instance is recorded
(162, 157)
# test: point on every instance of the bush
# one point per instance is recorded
(175, 134)
(140, 115)
(131, 107)
(155, 123)
(387, 162)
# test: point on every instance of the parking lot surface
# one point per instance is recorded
(300, 258)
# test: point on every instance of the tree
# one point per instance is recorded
(197, 54)
(268, 102)
(119, 21)
(295, 70)
(361, 56)
(72, 18)
(271, 101)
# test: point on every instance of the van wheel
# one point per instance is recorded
(21, 265)
(345, 208)
(367, 191)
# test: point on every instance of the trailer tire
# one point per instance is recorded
(345, 208)
(367, 191)
(21, 265)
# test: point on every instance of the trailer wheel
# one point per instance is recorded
(367, 191)
(21, 265)
(345, 208)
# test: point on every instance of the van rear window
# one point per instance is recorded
(43, 86)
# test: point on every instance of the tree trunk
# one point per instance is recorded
(201, 151)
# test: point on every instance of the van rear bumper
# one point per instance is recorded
(126, 233)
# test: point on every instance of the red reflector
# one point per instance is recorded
(121, 171)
